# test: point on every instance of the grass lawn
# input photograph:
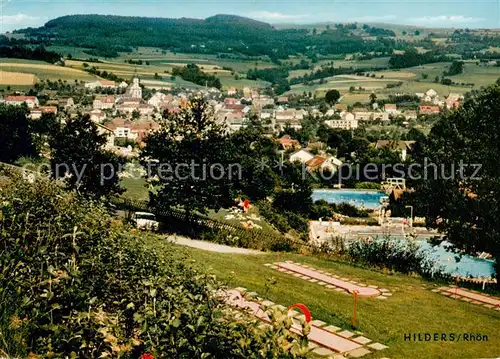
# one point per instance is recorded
(478, 75)
(135, 189)
(413, 308)
(76, 52)
(253, 211)
(352, 98)
(227, 80)
(413, 87)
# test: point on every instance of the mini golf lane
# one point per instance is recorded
(317, 335)
(476, 298)
(311, 273)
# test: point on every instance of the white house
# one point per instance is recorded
(104, 103)
(97, 116)
(110, 136)
(321, 163)
(431, 93)
(157, 99)
(301, 156)
(66, 102)
(346, 122)
(391, 108)
(100, 83)
(364, 115)
(30, 101)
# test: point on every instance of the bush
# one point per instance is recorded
(321, 209)
(397, 255)
(279, 221)
(297, 222)
(351, 211)
(74, 283)
(368, 185)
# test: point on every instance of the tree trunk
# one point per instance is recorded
(496, 256)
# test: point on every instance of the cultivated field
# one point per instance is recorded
(163, 68)
(16, 78)
(44, 71)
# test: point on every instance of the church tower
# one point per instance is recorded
(135, 90)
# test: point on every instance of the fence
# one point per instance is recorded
(200, 226)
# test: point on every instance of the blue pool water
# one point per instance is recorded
(467, 266)
(367, 199)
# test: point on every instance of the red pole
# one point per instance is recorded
(456, 286)
(355, 297)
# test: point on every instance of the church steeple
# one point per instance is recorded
(135, 90)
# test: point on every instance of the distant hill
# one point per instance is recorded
(219, 34)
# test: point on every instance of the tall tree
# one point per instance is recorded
(257, 155)
(332, 96)
(15, 135)
(80, 158)
(189, 158)
(460, 196)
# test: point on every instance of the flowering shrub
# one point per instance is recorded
(74, 283)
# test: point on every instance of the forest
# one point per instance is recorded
(214, 35)
(23, 52)
(412, 58)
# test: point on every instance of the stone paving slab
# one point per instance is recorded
(361, 340)
(324, 352)
(346, 334)
(332, 328)
(358, 353)
(324, 341)
(320, 277)
(377, 346)
(471, 296)
(318, 323)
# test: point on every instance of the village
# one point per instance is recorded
(124, 114)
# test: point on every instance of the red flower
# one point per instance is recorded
(147, 356)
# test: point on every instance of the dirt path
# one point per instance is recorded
(212, 247)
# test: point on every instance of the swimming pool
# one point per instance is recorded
(358, 198)
(467, 266)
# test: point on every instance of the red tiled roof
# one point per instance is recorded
(145, 126)
(230, 100)
(19, 98)
(118, 122)
(429, 108)
(107, 83)
(48, 109)
(108, 99)
(235, 107)
(315, 161)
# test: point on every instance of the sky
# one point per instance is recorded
(16, 14)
